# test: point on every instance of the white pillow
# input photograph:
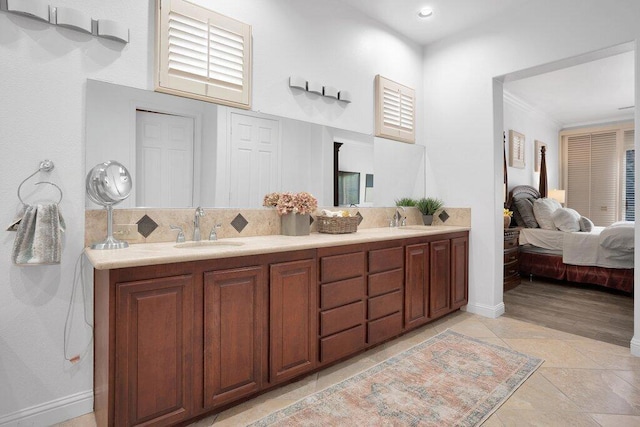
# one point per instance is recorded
(618, 236)
(566, 219)
(586, 224)
(542, 209)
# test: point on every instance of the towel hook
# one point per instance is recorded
(45, 166)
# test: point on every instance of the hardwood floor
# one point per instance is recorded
(590, 312)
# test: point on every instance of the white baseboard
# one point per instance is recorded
(492, 312)
(635, 346)
(52, 412)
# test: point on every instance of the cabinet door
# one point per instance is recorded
(459, 271)
(232, 334)
(440, 278)
(416, 309)
(292, 319)
(154, 323)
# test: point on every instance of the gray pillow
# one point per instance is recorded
(586, 224)
(525, 209)
(566, 219)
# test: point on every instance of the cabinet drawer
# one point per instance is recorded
(340, 267)
(510, 255)
(340, 293)
(511, 269)
(342, 344)
(382, 329)
(511, 243)
(341, 318)
(385, 259)
(384, 305)
(383, 283)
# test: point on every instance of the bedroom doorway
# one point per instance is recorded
(523, 115)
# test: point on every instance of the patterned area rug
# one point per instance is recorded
(448, 380)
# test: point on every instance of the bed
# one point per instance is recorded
(577, 256)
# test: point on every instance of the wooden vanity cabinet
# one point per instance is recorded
(416, 285)
(233, 318)
(459, 271)
(439, 278)
(144, 345)
(342, 302)
(292, 319)
(176, 341)
(385, 291)
(436, 278)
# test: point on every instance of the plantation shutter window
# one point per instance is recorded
(593, 176)
(203, 55)
(395, 110)
(629, 176)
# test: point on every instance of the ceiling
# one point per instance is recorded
(588, 93)
(449, 16)
(593, 92)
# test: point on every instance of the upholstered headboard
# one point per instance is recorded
(522, 192)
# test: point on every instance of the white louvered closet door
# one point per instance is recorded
(579, 174)
(592, 176)
(604, 179)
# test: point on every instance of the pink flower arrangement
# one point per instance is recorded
(301, 203)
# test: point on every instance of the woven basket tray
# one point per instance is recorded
(337, 225)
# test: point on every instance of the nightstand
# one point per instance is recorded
(511, 263)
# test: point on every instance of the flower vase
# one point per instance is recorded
(507, 221)
(294, 224)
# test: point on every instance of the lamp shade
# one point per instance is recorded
(559, 195)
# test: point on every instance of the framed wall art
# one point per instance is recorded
(516, 149)
(538, 154)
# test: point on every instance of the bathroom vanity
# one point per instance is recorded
(182, 332)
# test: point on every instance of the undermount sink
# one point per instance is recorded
(208, 244)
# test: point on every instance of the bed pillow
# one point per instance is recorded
(618, 236)
(566, 219)
(543, 208)
(525, 209)
(586, 224)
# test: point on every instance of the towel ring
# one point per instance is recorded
(45, 166)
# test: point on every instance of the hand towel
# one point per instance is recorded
(39, 236)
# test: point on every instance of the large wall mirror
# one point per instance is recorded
(185, 153)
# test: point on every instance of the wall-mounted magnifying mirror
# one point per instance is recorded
(108, 184)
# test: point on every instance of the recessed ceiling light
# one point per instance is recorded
(425, 12)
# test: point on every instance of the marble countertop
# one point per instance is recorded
(137, 255)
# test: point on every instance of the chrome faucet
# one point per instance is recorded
(214, 234)
(401, 220)
(196, 224)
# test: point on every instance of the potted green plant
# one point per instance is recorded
(428, 206)
(406, 201)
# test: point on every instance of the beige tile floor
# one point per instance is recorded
(581, 383)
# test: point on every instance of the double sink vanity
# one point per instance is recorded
(187, 329)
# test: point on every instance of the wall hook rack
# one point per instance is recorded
(317, 88)
(68, 18)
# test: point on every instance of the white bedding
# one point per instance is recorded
(547, 239)
(578, 248)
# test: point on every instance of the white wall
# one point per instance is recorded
(534, 125)
(44, 70)
(463, 111)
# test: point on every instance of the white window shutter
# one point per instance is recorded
(604, 178)
(579, 174)
(592, 176)
(395, 110)
(203, 55)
